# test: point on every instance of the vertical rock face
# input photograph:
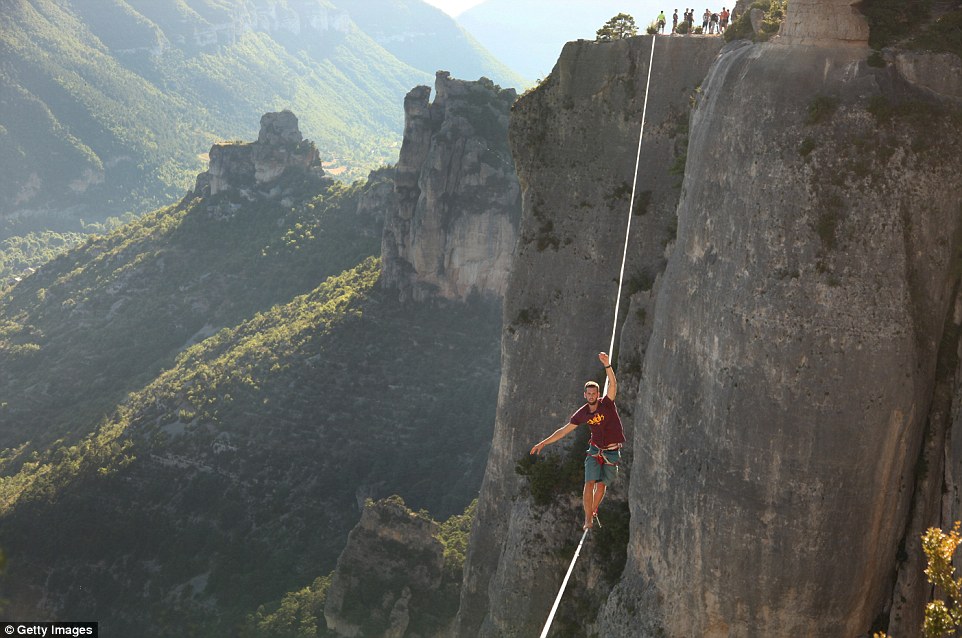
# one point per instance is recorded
(821, 22)
(792, 427)
(458, 202)
(792, 367)
(575, 141)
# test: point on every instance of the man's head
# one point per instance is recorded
(592, 392)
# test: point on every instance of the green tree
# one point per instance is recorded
(300, 614)
(620, 26)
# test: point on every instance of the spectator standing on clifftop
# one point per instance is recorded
(661, 21)
(724, 19)
(690, 16)
(713, 23)
(674, 21)
(705, 17)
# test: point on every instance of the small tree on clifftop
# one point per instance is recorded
(620, 26)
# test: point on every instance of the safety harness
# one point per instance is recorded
(600, 456)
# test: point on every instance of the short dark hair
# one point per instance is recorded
(592, 384)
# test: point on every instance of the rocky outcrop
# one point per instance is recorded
(251, 169)
(824, 22)
(792, 427)
(391, 565)
(377, 201)
(454, 229)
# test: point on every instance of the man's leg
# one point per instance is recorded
(589, 500)
(598, 496)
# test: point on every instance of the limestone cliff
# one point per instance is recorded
(454, 227)
(791, 414)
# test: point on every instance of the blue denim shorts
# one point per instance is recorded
(595, 471)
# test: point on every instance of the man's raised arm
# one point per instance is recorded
(612, 382)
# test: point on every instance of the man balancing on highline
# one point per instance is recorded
(607, 437)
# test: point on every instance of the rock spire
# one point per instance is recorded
(455, 225)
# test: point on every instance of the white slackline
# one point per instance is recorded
(631, 209)
(614, 327)
(564, 583)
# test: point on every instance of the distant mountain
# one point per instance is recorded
(108, 106)
(528, 36)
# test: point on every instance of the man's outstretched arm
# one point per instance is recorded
(557, 434)
(612, 382)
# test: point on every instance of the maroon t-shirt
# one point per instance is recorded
(605, 423)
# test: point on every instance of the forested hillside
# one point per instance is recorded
(195, 407)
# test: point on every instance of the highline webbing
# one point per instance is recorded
(614, 327)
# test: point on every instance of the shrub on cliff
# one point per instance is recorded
(942, 617)
(551, 475)
(454, 536)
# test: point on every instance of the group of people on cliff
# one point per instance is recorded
(712, 22)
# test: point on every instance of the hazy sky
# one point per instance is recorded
(454, 7)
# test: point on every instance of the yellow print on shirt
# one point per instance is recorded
(596, 419)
